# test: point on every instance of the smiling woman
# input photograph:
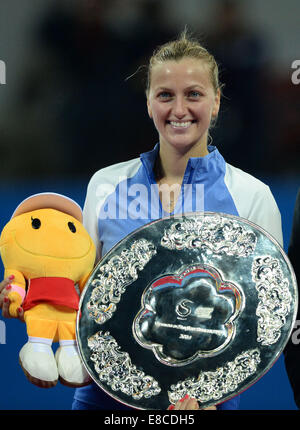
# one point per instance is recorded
(183, 95)
(183, 99)
(182, 103)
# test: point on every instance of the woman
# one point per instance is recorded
(182, 173)
(183, 99)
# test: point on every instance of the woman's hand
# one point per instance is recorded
(189, 403)
(5, 289)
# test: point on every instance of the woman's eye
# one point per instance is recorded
(164, 95)
(194, 94)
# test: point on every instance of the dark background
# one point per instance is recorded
(74, 102)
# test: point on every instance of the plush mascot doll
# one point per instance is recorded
(51, 255)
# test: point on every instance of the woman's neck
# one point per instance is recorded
(171, 163)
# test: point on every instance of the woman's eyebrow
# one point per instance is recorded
(163, 89)
(190, 87)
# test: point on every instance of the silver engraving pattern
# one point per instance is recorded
(115, 368)
(212, 233)
(214, 385)
(113, 278)
(274, 299)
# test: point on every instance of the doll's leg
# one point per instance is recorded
(36, 357)
(70, 368)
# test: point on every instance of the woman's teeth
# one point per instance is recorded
(180, 124)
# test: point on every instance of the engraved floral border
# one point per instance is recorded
(214, 385)
(113, 278)
(274, 298)
(115, 368)
(210, 232)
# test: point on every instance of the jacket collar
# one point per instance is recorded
(212, 163)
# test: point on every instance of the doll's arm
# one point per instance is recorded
(17, 292)
(83, 280)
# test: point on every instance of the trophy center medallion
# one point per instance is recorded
(188, 315)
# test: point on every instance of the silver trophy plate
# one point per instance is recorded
(200, 304)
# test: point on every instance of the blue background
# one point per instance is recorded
(271, 392)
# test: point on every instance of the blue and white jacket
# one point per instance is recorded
(125, 196)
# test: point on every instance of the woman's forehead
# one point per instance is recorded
(187, 70)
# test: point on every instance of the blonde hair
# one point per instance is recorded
(184, 47)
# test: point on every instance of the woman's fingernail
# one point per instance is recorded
(186, 397)
(6, 300)
(171, 407)
(11, 277)
(20, 310)
(8, 287)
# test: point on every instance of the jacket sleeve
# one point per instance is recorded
(265, 213)
(254, 201)
(292, 350)
(90, 216)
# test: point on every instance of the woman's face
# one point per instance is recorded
(181, 102)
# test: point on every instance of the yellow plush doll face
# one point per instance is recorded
(47, 242)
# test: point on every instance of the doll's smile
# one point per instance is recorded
(40, 254)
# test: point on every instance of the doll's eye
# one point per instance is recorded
(36, 223)
(72, 227)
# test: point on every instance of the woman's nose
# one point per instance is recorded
(180, 108)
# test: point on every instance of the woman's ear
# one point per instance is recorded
(149, 109)
(216, 107)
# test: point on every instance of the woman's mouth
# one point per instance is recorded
(181, 124)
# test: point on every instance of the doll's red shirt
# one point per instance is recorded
(51, 290)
